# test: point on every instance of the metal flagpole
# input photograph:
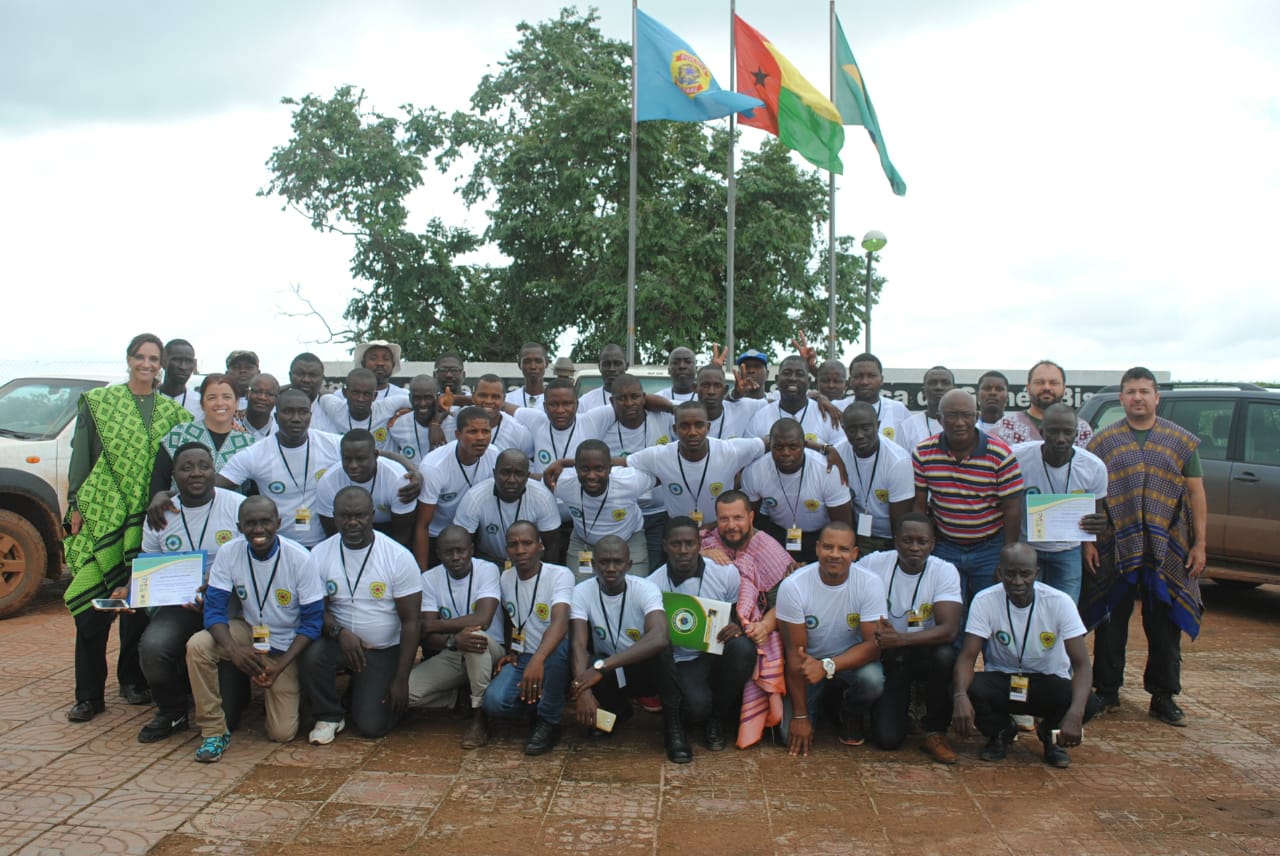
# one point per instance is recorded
(831, 206)
(631, 206)
(732, 201)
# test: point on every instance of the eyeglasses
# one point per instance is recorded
(959, 416)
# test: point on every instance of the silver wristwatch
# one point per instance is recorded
(829, 666)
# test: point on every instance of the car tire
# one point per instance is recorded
(23, 560)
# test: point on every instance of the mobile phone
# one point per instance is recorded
(605, 719)
(110, 603)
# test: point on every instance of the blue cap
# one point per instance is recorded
(753, 354)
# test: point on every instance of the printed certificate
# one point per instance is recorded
(1056, 516)
(166, 579)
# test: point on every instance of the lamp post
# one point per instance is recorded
(872, 242)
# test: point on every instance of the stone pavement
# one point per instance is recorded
(1135, 786)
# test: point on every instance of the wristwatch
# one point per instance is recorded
(451, 642)
(829, 666)
(334, 631)
(598, 665)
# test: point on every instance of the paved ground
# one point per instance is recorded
(1136, 786)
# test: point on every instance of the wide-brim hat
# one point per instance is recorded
(357, 356)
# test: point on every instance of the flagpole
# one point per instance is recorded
(732, 203)
(631, 204)
(831, 208)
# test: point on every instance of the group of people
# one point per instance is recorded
(513, 553)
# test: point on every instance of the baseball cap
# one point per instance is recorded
(753, 354)
(241, 356)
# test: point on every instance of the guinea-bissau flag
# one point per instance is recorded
(854, 103)
(798, 114)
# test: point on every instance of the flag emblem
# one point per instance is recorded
(689, 73)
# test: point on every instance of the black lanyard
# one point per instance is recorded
(604, 613)
(888, 598)
(706, 466)
(928, 432)
(417, 439)
(257, 595)
(502, 521)
(723, 413)
(582, 500)
(182, 511)
(795, 507)
(556, 454)
(800, 418)
(351, 427)
(1070, 461)
(471, 578)
(351, 587)
(1026, 631)
(532, 603)
(871, 482)
(475, 470)
(622, 452)
(306, 464)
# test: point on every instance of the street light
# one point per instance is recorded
(872, 242)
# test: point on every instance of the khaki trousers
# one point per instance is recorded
(434, 682)
(282, 697)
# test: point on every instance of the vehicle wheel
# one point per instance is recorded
(1237, 585)
(22, 562)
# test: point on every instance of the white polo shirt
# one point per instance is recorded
(528, 603)
(716, 582)
(271, 591)
(1053, 619)
(291, 478)
(1084, 473)
(615, 512)
(939, 582)
(445, 479)
(616, 622)
(362, 586)
(481, 512)
(795, 499)
(452, 598)
(832, 615)
(384, 487)
(685, 485)
(817, 427)
(203, 527)
(877, 480)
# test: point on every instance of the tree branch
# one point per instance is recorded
(340, 336)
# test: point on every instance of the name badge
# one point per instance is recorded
(261, 638)
(794, 534)
(302, 518)
(517, 636)
(621, 676)
(506, 566)
(584, 562)
(696, 517)
(1018, 687)
(915, 621)
(864, 525)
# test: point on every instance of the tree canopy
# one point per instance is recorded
(544, 150)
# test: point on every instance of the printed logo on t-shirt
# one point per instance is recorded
(380, 435)
(853, 619)
(510, 608)
(382, 506)
(172, 542)
(408, 451)
(377, 589)
(575, 511)
(331, 587)
(1003, 637)
(811, 622)
(716, 488)
(812, 504)
(600, 633)
(544, 456)
(543, 611)
(633, 634)
(812, 438)
(675, 489)
(769, 502)
(284, 597)
(926, 610)
(619, 514)
(1032, 490)
(222, 536)
(881, 494)
(664, 440)
(887, 431)
(492, 529)
(276, 487)
(446, 613)
(448, 497)
(1047, 639)
(242, 592)
(320, 473)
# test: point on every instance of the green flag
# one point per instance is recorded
(854, 104)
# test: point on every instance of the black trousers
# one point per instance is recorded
(808, 540)
(711, 684)
(1163, 672)
(654, 676)
(162, 652)
(903, 667)
(1048, 697)
(370, 713)
(93, 629)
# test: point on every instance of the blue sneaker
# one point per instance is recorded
(212, 748)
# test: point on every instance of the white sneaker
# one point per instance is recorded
(1025, 723)
(324, 732)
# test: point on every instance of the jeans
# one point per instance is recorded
(903, 667)
(502, 698)
(712, 684)
(1163, 672)
(163, 655)
(655, 526)
(858, 690)
(92, 631)
(976, 563)
(371, 714)
(1062, 570)
(1048, 697)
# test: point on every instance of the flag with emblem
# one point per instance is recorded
(798, 114)
(673, 83)
(854, 103)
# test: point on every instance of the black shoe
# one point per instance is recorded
(851, 733)
(83, 711)
(161, 726)
(713, 735)
(678, 749)
(997, 747)
(1056, 756)
(135, 695)
(1110, 701)
(1165, 709)
(544, 738)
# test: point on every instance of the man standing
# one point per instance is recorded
(533, 365)
(680, 368)
(372, 624)
(794, 403)
(259, 416)
(383, 359)
(881, 480)
(916, 639)
(1155, 546)
(866, 377)
(358, 407)
(488, 508)
(504, 433)
(828, 612)
(1035, 663)
(727, 419)
(602, 500)
(613, 362)
(306, 373)
(1055, 465)
(621, 648)
(754, 366)
(1046, 386)
(241, 367)
(380, 477)
(993, 398)
(448, 473)
(938, 381)
(178, 359)
(831, 380)
(410, 433)
(450, 372)
(553, 427)
(459, 602)
(282, 611)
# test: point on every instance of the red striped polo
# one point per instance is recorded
(965, 495)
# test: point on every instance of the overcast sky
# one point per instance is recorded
(1095, 182)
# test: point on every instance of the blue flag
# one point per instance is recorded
(672, 83)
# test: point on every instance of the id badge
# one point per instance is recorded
(506, 566)
(915, 621)
(302, 518)
(1018, 687)
(794, 534)
(622, 677)
(517, 636)
(584, 562)
(864, 525)
(696, 517)
(261, 638)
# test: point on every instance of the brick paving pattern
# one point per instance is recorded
(1135, 787)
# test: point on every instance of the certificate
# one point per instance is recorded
(1056, 516)
(696, 621)
(166, 579)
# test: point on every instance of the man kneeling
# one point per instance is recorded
(1036, 663)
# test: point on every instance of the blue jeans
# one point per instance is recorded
(1062, 571)
(502, 698)
(976, 563)
(859, 688)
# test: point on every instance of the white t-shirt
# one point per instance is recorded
(291, 478)
(817, 427)
(832, 615)
(939, 582)
(686, 485)
(452, 598)
(594, 398)
(510, 434)
(384, 487)
(335, 418)
(1053, 620)
(390, 394)
(890, 413)
(203, 527)
(528, 603)
(409, 438)
(877, 480)
(445, 479)
(615, 512)
(549, 443)
(916, 427)
(189, 399)
(602, 424)
(616, 622)
(716, 582)
(795, 499)
(677, 397)
(519, 398)
(736, 419)
(271, 591)
(480, 511)
(362, 586)
(1084, 473)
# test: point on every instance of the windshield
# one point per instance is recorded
(39, 408)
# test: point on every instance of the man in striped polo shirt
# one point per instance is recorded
(969, 483)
